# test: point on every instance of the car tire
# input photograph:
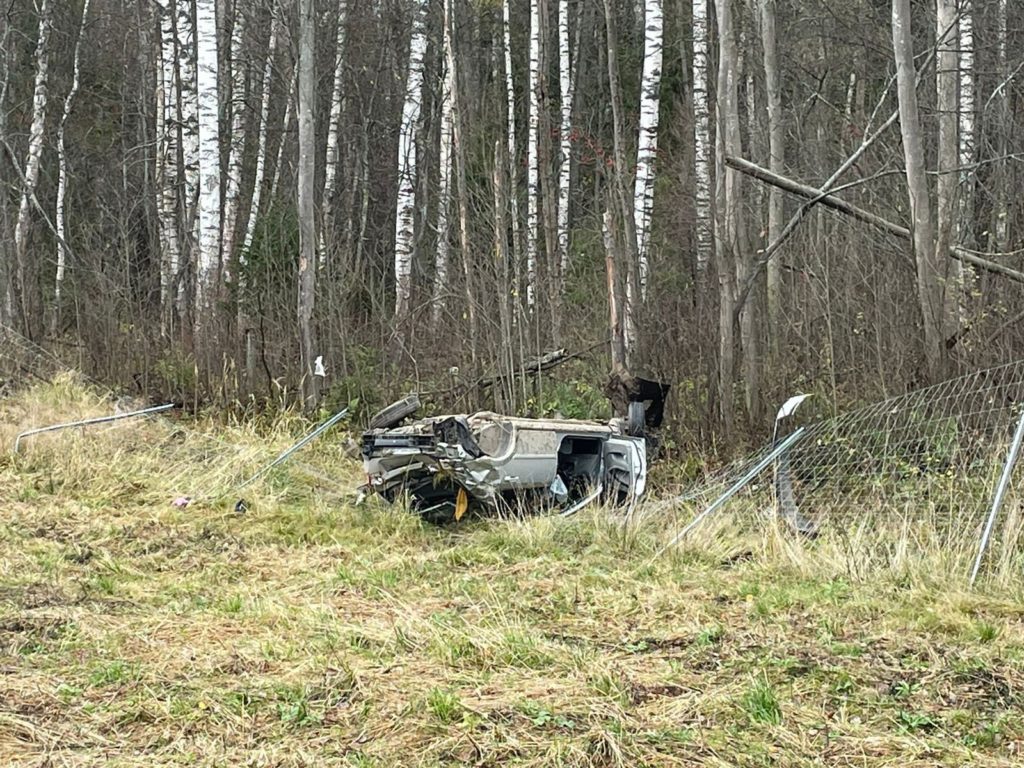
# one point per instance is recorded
(394, 413)
(635, 423)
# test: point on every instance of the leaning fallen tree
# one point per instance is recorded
(817, 196)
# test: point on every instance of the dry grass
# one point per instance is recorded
(307, 631)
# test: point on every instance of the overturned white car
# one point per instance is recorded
(446, 464)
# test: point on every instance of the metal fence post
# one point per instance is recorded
(997, 500)
(736, 487)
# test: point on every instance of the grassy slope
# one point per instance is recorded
(309, 632)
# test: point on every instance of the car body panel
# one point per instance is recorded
(497, 458)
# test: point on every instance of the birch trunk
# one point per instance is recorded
(187, 108)
(727, 206)
(443, 253)
(32, 161)
(236, 148)
(307, 225)
(966, 137)
(62, 174)
(776, 163)
(929, 288)
(505, 355)
(167, 133)
(647, 147)
(513, 149)
(405, 209)
(209, 201)
(332, 158)
(532, 157)
(565, 135)
(702, 137)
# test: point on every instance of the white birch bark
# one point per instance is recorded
(405, 209)
(647, 146)
(187, 110)
(261, 141)
(236, 147)
(966, 137)
(702, 136)
(209, 200)
(35, 150)
(62, 171)
(443, 254)
(513, 146)
(532, 155)
(168, 132)
(565, 134)
(332, 156)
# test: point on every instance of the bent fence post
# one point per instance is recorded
(736, 487)
(309, 437)
(997, 500)
(88, 422)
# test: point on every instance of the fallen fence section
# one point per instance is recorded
(88, 422)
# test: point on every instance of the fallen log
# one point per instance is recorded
(831, 201)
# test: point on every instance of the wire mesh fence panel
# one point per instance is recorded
(921, 466)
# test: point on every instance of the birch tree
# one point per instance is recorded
(168, 129)
(307, 224)
(647, 147)
(565, 134)
(62, 173)
(443, 253)
(405, 210)
(209, 201)
(702, 136)
(32, 160)
(187, 109)
(929, 284)
(965, 129)
(236, 145)
(332, 158)
(513, 147)
(532, 156)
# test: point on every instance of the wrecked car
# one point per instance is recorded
(445, 465)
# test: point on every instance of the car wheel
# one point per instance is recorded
(394, 413)
(635, 423)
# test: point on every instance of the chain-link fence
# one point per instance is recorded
(917, 470)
